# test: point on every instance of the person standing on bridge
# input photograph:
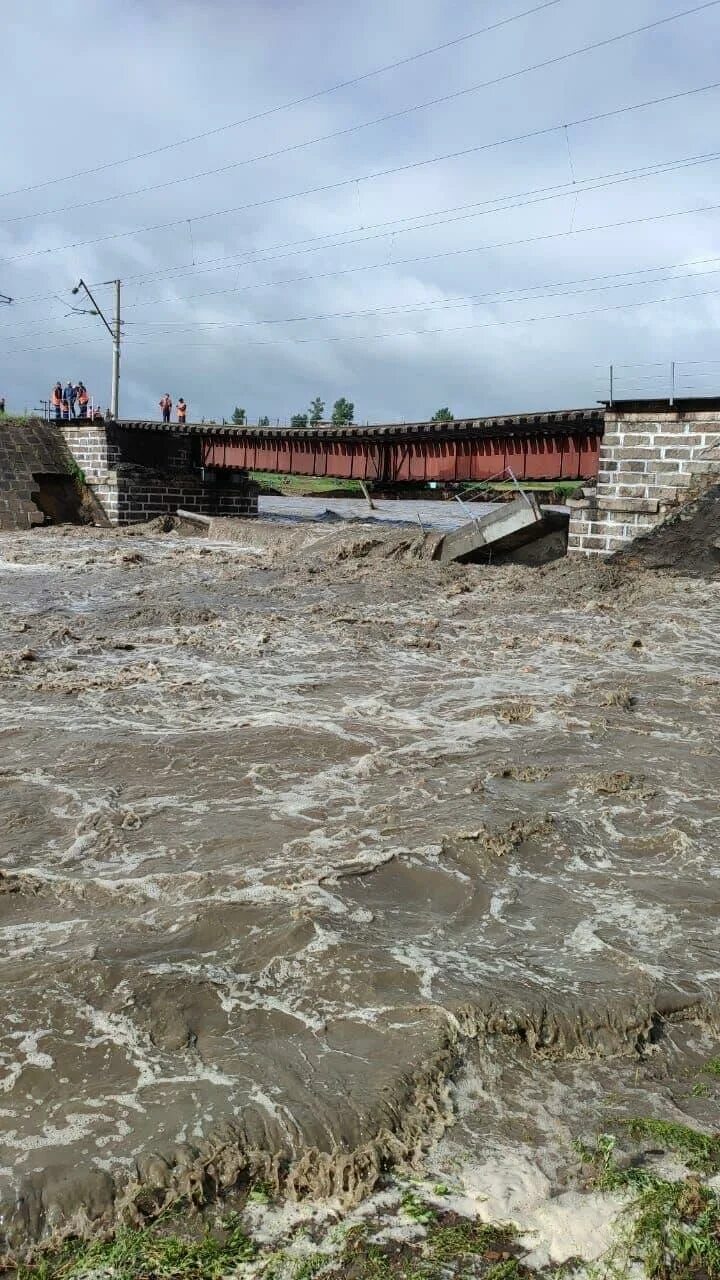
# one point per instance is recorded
(82, 399)
(56, 399)
(181, 411)
(69, 395)
(166, 406)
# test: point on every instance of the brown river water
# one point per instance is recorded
(315, 854)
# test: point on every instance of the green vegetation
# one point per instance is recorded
(565, 489)
(669, 1228)
(307, 486)
(673, 1227)
(153, 1253)
(238, 416)
(299, 420)
(447, 1242)
(76, 472)
(317, 409)
(259, 1194)
(509, 1270)
(136, 1254)
(343, 412)
(416, 1208)
(698, 1150)
(443, 415)
(677, 1230)
(712, 1067)
(556, 490)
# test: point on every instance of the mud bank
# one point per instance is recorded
(302, 831)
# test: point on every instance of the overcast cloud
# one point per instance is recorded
(90, 81)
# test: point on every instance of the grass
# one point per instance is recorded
(698, 1150)
(558, 489)
(145, 1255)
(417, 1209)
(452, 1248)
(311, 485)
(305, 485)
(76, 472)
(673, 1227)
(668, 1228)
(449, 1241)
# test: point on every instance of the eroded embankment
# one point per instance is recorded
(292, 831)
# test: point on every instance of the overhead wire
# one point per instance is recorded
(449, 253)
(284, 106)
(294, 248)
(529, 293)
(520, 204)
(452, 96)
(493, 324)
(563, 288)
(416, 164)
(316, 244)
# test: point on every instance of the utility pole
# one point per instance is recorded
(113, 330)
(115, 396)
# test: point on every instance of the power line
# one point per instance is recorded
(450, 253)
(367, 124)
(525, 292)
(493, 324)
(529, 293)
(319, 243)
(382, 173)
(285, 106)
(405, 333)
(538, 195)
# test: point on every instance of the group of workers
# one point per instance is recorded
(64, 400)
(166, 405)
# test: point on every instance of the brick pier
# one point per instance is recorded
(653, 456)
(133, 475)
(141, 474)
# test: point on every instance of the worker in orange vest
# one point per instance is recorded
(82, 399)
(181, 411)
(166, 406)
(56, 398)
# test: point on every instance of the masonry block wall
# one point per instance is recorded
(141, 474)
(29, 449)
(651, 459)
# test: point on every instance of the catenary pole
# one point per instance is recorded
(114, 331)
(115, 396)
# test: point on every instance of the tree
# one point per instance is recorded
(317, 409)
(238, 417)
(299, 420)
(443, 415)
(264, 421)
(343, 412)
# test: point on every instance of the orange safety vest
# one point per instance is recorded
(83, 397)
(181, 411)
(56, 398)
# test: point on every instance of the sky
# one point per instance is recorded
(493, 252)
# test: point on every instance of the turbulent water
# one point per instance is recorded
(310, 847)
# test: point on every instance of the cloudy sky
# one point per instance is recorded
(264, 264)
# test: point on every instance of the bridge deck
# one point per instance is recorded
(560, 445)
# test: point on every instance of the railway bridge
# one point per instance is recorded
(543, 446)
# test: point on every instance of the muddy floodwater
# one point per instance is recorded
(318, 859)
